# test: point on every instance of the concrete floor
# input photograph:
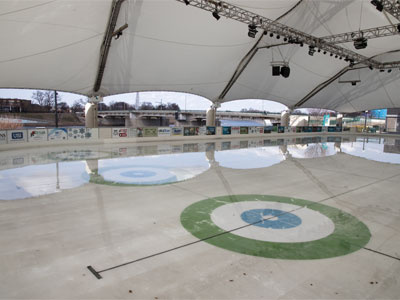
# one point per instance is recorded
(48, 241)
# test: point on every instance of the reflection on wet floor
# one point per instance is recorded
(41, 171)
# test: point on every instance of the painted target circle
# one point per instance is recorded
(137, 175)
(275, 227)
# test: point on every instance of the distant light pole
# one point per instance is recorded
(56, 107)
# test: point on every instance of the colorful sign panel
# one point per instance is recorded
(281, 129)
(252, 130)
(189, 131)
(202, 130)
(226, 130)
(119, 133)
(57, 134)
(150, 132)
(244, 130)
(211, 130)
(267, 129)
(17, 136)
(37, 135)
(82, 133)
(260, 130)
(235, 130)
(176, 131)
(164, 131)
(3, 137)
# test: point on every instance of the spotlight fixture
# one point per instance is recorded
(301, 44)
(187, 2)
(278, 36)
(280, 69)
(276, 70)
(285, 71)
(353, 83)
(377, 4)
(265, 32)
(336, 56)
(398, 27)
(215, 13)
(351, 63)
(252, 31)
(285, 39)
(360, 43)
(311, 50)
(371, 68)
(319, 50)
(340, 57)
(271, 34)
(390, 70)
(381, 70)
(331, 54)
(324, 52)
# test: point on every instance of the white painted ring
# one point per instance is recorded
(314, 225)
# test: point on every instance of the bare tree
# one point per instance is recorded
(45, 98)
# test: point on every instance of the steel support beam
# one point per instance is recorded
(370, 33)
(105, 47)
(293, 35)
(392, 7)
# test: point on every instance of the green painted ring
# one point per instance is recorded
(349, 234)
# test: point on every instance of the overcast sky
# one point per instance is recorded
(188, 101)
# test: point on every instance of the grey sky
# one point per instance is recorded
(187, 101)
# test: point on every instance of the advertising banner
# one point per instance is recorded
(119, 133)
(150, 132)
(189, 131)
(17, 136)
(132, 132)
(176, 131)
(244, 130)
(267, 129)
(37, 135)
(253, 130)
(202, 130)
(82, 133)
(57, 134)
(3, 137)
(235, 130)
(307, 129)
(164, 131)
(211, 130)
(226, 130)
(260, 129)
(281, 129)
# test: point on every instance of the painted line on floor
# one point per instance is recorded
(98, 276)
(97, 273)
(381, 253)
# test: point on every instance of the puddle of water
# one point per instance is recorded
(41, 171)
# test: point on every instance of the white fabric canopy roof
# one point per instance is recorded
(169, 46)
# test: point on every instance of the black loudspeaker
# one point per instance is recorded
(276, 70)
(285, 71)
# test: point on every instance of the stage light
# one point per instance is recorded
(324, 52)
(278, 36)
(252, 31)
(215, 13)
(377, 4)
(285, 71)
(187, 2)
(271, 34)
(360, 43)
(276, 70)
(311, 50)
(370, 67)
(285, 39)
(390, 70)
